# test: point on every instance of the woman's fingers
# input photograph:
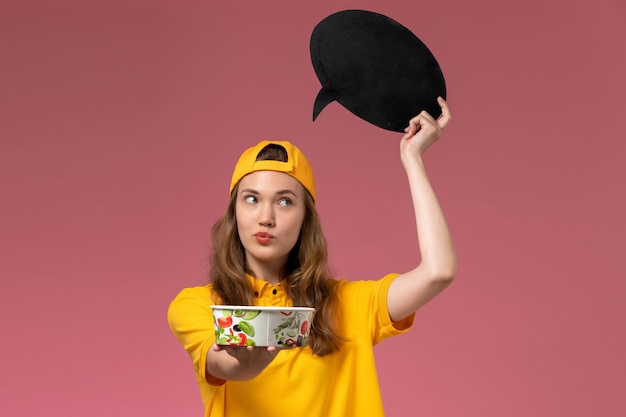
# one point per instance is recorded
(445, 117)
(424, 118)
(418, 122)
(412, 128)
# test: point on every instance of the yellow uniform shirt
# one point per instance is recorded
(297, 382)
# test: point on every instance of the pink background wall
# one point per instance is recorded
(121, 120)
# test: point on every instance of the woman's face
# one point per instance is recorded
(270, 209)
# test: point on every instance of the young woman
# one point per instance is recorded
(269, 249)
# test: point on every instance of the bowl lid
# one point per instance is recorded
(261, 308)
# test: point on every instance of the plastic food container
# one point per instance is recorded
(285, 327)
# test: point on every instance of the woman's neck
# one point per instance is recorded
(266, 272)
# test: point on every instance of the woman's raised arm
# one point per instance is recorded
(438, 265)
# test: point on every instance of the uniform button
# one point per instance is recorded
(274, 291)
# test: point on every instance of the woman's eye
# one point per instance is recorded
(250, 199)
(284, 202)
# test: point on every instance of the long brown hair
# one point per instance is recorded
(305, 277)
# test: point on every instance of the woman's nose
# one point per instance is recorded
(266, 216)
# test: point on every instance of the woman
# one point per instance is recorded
(269, 250)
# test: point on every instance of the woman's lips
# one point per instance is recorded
(263, 237)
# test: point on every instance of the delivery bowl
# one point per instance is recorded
(285, 327)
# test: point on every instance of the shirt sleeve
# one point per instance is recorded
(191, 319)
(388, 327)
(365, 307)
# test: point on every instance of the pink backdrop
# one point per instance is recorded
(121, 120)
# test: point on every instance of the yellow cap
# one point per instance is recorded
(296, 166)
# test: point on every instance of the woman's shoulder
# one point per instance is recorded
(344, 287)
(190, 302)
